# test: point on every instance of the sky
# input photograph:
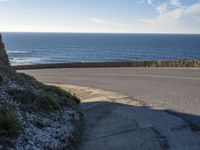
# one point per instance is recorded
(104, 16)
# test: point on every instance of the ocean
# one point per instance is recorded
(46, 48)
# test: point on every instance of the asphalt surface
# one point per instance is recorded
(172, 88)
(114, 122)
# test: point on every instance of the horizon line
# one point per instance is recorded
(99, 32)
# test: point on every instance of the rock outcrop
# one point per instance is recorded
(3, 55)
(33, 115)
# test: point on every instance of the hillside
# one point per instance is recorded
(34, 115)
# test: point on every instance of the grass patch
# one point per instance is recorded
(9, 125)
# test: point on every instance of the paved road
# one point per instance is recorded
(114, 122)
(176, 89)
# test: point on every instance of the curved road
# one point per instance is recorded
(173, 88)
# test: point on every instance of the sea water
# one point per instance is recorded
(43, 48)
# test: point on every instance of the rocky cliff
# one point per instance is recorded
(3, 55)
(33, 115)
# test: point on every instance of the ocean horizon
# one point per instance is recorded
(48, 48)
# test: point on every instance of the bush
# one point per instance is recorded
(23, 96)
(47, 100)
(9, 125)
(62, 93)
(27, 77)
(51, 90)
(37, 102)
(40, 97)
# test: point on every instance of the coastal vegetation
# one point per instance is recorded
(9, 124)
(43, 98)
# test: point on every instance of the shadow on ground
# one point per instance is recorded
(116, 126)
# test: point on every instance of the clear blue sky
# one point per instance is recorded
(129, 16)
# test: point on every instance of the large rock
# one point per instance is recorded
(3, 55)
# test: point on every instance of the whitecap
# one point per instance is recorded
(25, 60)
(18, 52)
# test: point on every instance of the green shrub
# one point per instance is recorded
(37, 102)
(9, 125)
(52, 90)
(28, 80)
(27, 77)
(23, 96)
(50, 99)
(43, 98)
(62, 93)
(46, 102)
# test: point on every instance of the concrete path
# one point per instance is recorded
(115, 122)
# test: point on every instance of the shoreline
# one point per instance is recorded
(170, 63)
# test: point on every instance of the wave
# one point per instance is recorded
(18, 52)
(25, 60)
